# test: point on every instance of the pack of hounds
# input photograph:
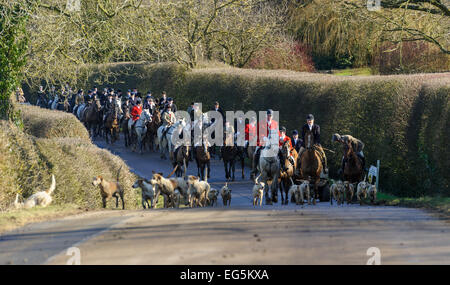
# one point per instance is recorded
(197, 193)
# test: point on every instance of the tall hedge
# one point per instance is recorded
(402, 119)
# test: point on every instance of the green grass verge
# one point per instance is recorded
(438, 204)
(10, 220)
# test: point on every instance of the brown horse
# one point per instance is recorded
(250, 154)
(151, 137)
(92, 117)
(311, 164)
(203, 157)
(112, 126)
(181, 159)
(230, 153)
(353, 170)
(287, 170)
(124, 125)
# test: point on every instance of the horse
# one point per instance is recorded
(124, 125)
(165, 142)
(112, 126)
(269, 168)
(202, 158)
(151, 137)
(91, 117)
(311, 164)
(251, 151)
(181, 159)
(140, 128)
(230, 152)
(287, 170)
(353, 170)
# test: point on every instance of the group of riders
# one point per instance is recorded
(133, 103)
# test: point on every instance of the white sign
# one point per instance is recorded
(372, 173)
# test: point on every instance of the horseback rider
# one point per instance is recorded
(150, 104)
(136, 112)
(284, 138)
(296, 141)
(357, 146)
(250, 131)
(110, 106)
(168, 119)
(315, 129)
(172, 105)
(228, 131)
(263, 131)
(163, 101)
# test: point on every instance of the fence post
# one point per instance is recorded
(378, 175)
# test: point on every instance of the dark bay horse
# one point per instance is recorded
(112, 126)
(311, 164)
(203, 157)
(181, 159)
(151, 137)
(92, 118)
(353, 170)
(287, 170)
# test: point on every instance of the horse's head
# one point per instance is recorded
(285, 150)
(348, 149)
(309, 140)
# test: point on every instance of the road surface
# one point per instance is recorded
(240, 234)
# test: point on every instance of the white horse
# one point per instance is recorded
(140, 127)
(269, 168)
(166, 143)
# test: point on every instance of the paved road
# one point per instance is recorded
(241, 234)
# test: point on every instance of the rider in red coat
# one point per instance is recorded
(263, 131)
(136, 111)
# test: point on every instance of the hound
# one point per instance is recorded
(212, 197)
(361, 192)
(198, 191)
(258, 192)
(148, 193)
(349, 191)
(297, 192)
(226, 195)
(41, 198)
(110, 189)
(337, 193)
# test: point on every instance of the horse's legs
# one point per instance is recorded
(209, 169)
(242, 165)
(225, 166)
(233, 168)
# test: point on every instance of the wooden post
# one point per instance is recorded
(378, 175)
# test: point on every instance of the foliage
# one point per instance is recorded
(13, 46)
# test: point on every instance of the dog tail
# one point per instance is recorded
(52, 186)
(118, 173)
(17, 204)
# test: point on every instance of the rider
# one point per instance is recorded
(150, 104)
(168, 119)
(284, 138)
(315, 129)
(136, 111)
(296, 141)
(357, 146)
(263, 131)
(109, 106)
